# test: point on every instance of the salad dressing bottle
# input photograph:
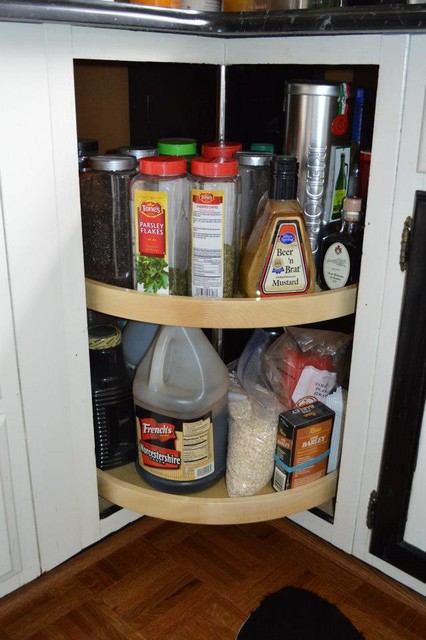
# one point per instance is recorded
(278, 259)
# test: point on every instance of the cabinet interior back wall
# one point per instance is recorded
(138, 103)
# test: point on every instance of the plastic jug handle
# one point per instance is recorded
(156, 376)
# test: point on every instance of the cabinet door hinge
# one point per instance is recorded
(405, 243)
(371, 509)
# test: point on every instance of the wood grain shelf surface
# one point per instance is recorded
(229, 313)
(124, 486)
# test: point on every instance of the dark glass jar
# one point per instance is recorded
(112, 399)
(87, 147)
(340, 258)
(106, 225)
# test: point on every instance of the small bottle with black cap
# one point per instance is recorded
(277, 260)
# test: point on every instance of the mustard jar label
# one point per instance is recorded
(285, 268)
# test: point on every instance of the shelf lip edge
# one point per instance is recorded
(216, 510)
(226, 313)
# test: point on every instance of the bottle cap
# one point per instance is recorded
(162, 166)
(283, 184)
(177, 146)
(87, 145)
(351, 204)
(254, 158)
(112, 163)
(220, 149)
(104, 336)
(214, 167)
(262, 146)
(359, 96)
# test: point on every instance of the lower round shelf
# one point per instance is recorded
(123, 486)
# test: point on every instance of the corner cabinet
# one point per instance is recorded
(49, 295)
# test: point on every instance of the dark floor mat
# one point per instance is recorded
(297, 614)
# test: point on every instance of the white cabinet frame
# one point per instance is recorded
(42, 227)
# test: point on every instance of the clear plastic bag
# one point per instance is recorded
(253, 418)
(304, 364)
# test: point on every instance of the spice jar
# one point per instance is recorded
(107, 237)
(112, 399)
(86, 147)
(254, 168)
(262, 146)
(215, 188)
(159, 197)
(182, 147)
(137, 152)
(220, 149)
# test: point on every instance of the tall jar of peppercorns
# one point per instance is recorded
(105, 212)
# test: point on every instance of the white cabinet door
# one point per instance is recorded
(43, 239)
(42, 222)
(19, 560)
(411, 176)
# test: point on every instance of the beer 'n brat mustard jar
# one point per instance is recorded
(215, 187)
(159, 195)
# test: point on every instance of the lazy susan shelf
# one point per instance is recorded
(227, 313)
(123, 486)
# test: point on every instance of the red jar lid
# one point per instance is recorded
(214, 167)
(162, 166)
(217, 149)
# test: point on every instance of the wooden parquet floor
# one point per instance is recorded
(157, 580)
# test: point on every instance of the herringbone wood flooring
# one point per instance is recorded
(157, 580)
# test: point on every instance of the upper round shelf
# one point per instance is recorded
(227, 313)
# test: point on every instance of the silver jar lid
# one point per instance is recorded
(112, 163)
(306, 87)
(137, 152)
(254, 158)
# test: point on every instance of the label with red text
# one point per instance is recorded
(150, 238)
(172, 448)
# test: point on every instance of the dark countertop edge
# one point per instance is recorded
(397, 18)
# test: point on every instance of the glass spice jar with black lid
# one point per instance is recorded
(106, 226)
(87, 147)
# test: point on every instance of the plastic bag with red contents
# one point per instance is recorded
(304, 364)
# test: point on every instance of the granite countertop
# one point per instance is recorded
(390, 18)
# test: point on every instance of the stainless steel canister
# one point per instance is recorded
(310, 109)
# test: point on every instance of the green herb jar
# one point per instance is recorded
(160, 226)
(182, 147)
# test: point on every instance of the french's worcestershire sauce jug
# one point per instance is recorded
(180, 394)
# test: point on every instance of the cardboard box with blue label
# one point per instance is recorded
(303, 445)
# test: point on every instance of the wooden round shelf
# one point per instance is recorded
(123, 486)
(228, 313)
